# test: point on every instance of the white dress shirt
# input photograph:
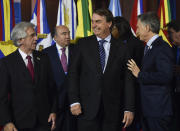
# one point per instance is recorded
(24, 55)
(149, 43)
(59, 49)
(106, 45)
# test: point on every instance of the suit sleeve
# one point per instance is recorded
(74, 75)
(52, 88)
(5, 113)
(163, 68)
(129, 88)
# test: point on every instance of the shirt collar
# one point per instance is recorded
(59, 47)
(108, 38)
(149, 43)
(24, 54)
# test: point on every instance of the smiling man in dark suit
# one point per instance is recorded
(155, 76)
(27, 94)
(60, 55)
(101, 89)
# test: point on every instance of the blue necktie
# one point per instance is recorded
(102, 53)
(146, 49)
(178, 56)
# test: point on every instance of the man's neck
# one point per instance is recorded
(150, 35)
(28, 52)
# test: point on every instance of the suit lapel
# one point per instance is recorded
(21, 66)
(37, 65)
(94, 53)
(112, 53)
(70, 51)
(154, 44)
(55, 56)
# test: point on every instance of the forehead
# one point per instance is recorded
(171, 30)
(62, 29)
(98, 17)
(30, 30)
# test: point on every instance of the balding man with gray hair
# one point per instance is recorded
(155, 76)
(60, 55)
(27, 93)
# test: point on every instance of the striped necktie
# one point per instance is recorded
(102, 53)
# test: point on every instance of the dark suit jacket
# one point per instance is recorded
(28, 101)
(155, 80)
(135, 48)
(59, 75)
(89, 86)
(176, 80)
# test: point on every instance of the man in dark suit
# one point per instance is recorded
(174, 37)
(122, 30)
(56, 53)
(27, 94)
(155, 76)
(101, 90)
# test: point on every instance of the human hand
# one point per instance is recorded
(76, 109)
(128, 118)
(10, 127)
(132, 66)
(52, 118)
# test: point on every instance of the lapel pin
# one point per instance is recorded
(38, 58)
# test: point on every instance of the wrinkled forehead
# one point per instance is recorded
(30, 30)
(98, 17)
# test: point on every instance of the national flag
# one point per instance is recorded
(7, 23)
(115, 8)
(39, 19)
(164, 13)
(67, 16)
(17, 10)
(173, 9)
(137, 10)
(84, 9)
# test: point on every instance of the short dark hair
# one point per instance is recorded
(174, 24)
(123, 26)
(105, 12)
(151, 19)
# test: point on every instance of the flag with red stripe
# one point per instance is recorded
(164, 13)
(137, 10)
(39, 19)
(7, 22)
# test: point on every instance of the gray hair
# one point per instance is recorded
(151, 19)
(19, 32)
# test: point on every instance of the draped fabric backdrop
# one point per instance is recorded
(126, 8)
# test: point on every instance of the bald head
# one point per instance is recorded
(62, 35)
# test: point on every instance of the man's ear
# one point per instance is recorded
(21, 41)
(147, 28)
(55, 37)
(110, 24)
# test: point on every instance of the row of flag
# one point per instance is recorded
(67, 15)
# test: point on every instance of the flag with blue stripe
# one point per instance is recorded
(7, 23)
(115, 8)
(39, 19)
(67, 16)
(137, 10)
(17, 10)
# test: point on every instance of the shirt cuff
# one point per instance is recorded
(76, 103)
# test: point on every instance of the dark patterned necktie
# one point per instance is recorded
(64, 59)
(146, 49)
(102, 53)
(30, 66)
